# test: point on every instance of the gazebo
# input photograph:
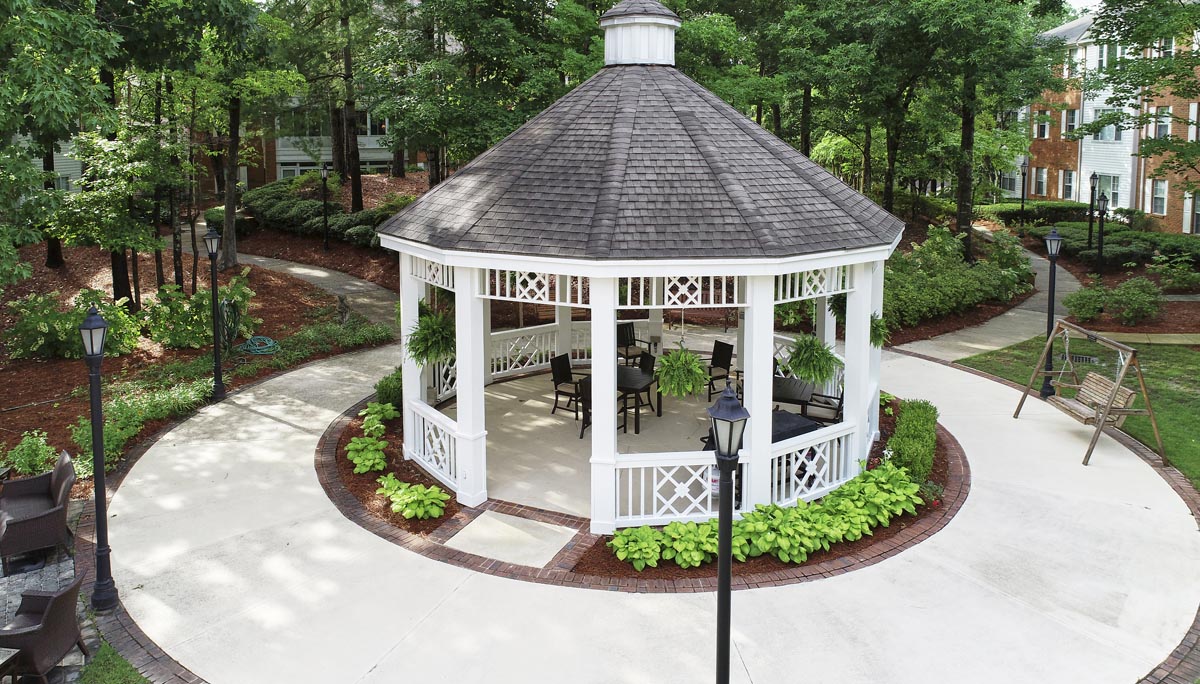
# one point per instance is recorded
(641, 190)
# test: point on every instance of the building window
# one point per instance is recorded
(62, 182)
(1162, 122)
(1195, 213)
(376, 125)
(1072, 120)
(1109, 132)
(1043, 123)
(1164, 47)
(1039, 181)
(303, 123)
(1109, 185)
(1008, 182)
(1158, 199)
(1068, 179)
(1108, 56)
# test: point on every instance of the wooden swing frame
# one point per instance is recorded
(1099, 414)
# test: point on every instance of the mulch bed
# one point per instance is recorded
(377, 187)
(1175, 317)
(376, 265)
(978, 315)
(362, 486)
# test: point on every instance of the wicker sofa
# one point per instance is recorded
(36, 511)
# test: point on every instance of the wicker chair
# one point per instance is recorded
(566, 384)
(44, 630)
(719, 367)
(37, 511)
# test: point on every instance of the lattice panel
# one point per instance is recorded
(821, 282)
(445, 378)
(658, 494)
(811, 471)
(533, 286)
(432, 272)
(679, 292)
(783, 353)
(436, 448)
(514, 353)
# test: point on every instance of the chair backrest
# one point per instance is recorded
(626, 336)
(646, 362)
(722, 355)
(560, 369)
(59, 628)
(62, 478)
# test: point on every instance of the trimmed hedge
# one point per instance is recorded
(1122, 244)
(915, 440)
(284, 205)
(216, 217)
(1037, 212)
(390, 389)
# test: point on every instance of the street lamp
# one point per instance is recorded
(728, 423)
(1053, 244)
(1092, 206)
(325, 201)
(1102, 206)
(212, 241)
(94, 331)
(1024, 170)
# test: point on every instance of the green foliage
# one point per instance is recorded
(1175, 272)
(395, 202)
(215, 218)
(1086, 304)
(681, 373)
(367, 454)
(1134, 300)
(690, 544)
(638, 546)
(413, 501)
(1122, 244)
(432, 339)
(374, 415)
(32, 455)
(879, 331)
(1037, 212)
(914, 442)
(812, 360)
(43, 329)
(178, 321)
(108, 667)
(390, 388)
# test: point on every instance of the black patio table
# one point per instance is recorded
(784, 425)
(784, 390)
(634, 380)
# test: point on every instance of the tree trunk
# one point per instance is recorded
(218, 165)
(966, 159)
(351, 117)
(433, 161)
(54, 251)
(176, 233)
(229, 235)
(865, 188)
(158, 188)
(777, 119)
(120, 267)
(337, 140)
(892, 143)
(758, 112)
(137, 279)
(806, 121)
(398, 163)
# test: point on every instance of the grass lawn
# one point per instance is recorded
(1172, 374)
(108, 667)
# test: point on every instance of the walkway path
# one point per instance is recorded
(232, 559)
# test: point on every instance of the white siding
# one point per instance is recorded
(1107, 157)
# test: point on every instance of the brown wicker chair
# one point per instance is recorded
(37, 511)
(44, 630)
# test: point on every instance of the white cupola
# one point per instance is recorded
(639, 32)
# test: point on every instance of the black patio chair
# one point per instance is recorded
(585, 402)
(719, 367)
(646, 364)
(565, 383)
(627, 343)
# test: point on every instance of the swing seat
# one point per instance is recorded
(1092, 396)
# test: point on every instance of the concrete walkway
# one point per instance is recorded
(232, 559)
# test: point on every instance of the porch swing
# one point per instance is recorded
(1098, 400)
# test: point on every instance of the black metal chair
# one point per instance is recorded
(627, 343)
(646, 364)
(719, 367)
(585, 402)
(565, 383)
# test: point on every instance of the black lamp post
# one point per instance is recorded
(1092, 207)
(94, 331)
(212, 241)
(1024, 171)
(325, 201)
(1053, 244)
(1102, 206)
(728, 423)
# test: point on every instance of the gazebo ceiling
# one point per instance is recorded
(641, 162)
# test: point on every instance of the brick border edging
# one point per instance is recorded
(1183, 665)
(558, 571)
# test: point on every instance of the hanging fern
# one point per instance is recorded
(812, 360)
(879, 332)
(432, 339)
(681, 373)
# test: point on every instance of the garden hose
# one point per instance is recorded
(259, 345)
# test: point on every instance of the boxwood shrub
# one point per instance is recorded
(1037, 212)
(915, 440)
(1122, 244)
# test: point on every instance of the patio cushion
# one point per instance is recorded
(20, 507)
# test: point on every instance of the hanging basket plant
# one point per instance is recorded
(812, 360)
(879, 332)
(432, 339)
(681, 373)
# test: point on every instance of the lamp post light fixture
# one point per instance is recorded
(1053, 245)
(325, 201)
(728, 423)
(1092, 206)
(212, 241)
(1102, 207)
(1024, 171)
(94, 331)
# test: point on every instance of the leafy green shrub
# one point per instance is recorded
(812, 360)
(308, 184)
(374, 415)
(215, 217)
(690, 544)
(32, 455)
(1136, 219)
(638, 546)
(413, 501)
(363, 236)
(1134, 300)
(681, 373)
(178, 321)
(366, 453)
(42, 329)
(395, 202)
(1037, 212)
(914, 442)
(1175, 272)
(262, 200)
(390, 388)
(1086, 304)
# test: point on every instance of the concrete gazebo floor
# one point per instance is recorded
(231, 558)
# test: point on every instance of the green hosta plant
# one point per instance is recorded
(812, 360)
(690, 544)
(638, 546)
(413, 501)
(374, 415)
(366, 453)
(681, 373)
(432, 339)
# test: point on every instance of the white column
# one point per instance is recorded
(739, 348)
(562, 336)
(604, 407)
(472, 430)
(757, 372)
(824, 322)
(858, 361)
(876, 271)
(486, 337)
(411, 291)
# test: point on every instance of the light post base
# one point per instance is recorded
(105, 597)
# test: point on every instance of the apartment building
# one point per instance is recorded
(1061, 168)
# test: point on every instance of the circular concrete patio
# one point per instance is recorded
(229, 556)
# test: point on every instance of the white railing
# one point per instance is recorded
(679, 292)
(432, 272)
(820, 282)
(581, 343)
(435, 444)
(522, 350)
(445, 379)
(655, 489)
(813, 464)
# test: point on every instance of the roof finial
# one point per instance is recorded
(639, 32)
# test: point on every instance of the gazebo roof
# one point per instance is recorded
(641, 162)
(647, 8)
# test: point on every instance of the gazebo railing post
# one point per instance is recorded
(562, 318)
(758, 370)
(825, 324)
(857, 377)
(471, 358)
(411, 292)
(876, 271)
(603, 293)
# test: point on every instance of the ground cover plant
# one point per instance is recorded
(1133, 301)
(1172, 375)
(108, 667)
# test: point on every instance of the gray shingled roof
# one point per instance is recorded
(641, 162)
(627, 8)
(1072, 31)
